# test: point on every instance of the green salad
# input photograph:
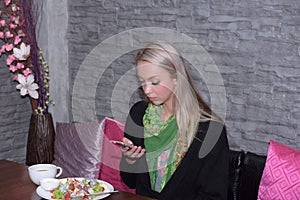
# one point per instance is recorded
(81, 188)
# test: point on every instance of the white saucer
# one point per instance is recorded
(43, 193)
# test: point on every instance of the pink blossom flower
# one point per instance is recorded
(8, 47)
(27, 71)
(8, 34)
(15, 78)
(12, 68)
(17, 40)
(10, 59)
(21, 66)
(2, 50)
(17, 51)
(7, 2)
(2, 23)
(12, 18)
(12, 26)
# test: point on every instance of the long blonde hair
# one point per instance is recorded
(189, 107)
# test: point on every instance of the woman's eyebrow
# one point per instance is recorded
(151, 77)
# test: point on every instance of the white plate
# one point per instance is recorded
(47, 194)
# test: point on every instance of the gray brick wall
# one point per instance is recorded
(14, 114)
(255, 45)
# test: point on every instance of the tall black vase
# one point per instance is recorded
(40, 143)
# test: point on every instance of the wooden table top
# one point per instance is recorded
(15, 184)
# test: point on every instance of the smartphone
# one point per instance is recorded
(122, 144)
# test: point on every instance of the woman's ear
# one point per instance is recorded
(175, 81)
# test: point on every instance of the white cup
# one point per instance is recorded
(40, 171)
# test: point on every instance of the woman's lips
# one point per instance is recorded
(151, 98)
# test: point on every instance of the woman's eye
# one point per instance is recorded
(155, 82)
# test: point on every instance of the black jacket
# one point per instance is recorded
(195, 177)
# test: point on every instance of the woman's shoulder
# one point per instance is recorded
(141, 103)
(212, 136)
(212, 122)
(210, 125)
(139, 106)
(137, 111)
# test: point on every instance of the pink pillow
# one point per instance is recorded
(111, 155)
(281, 175)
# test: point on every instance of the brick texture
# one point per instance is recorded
(255, 45)
(15, 115)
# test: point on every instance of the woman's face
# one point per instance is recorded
(157, 83)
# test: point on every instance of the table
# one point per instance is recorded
(15, 184)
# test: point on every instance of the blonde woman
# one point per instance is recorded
(166, 131)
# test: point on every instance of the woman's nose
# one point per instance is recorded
(147, 88)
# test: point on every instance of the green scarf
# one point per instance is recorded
(160, 137)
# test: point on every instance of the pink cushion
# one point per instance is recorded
(281, 175)
(111, 155)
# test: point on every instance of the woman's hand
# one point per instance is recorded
(133, 152)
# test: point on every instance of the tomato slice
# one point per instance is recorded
(67, 196)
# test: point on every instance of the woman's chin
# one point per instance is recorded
(155, 102)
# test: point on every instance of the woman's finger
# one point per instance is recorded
(136, 152)
(130, 152)
(141, 153)
(127, 141)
